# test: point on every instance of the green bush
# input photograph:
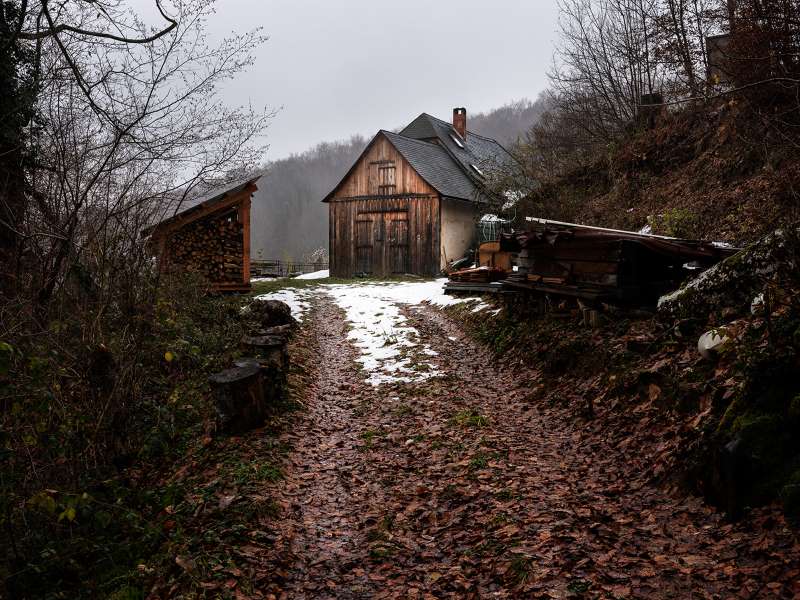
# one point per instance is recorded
(87, 393)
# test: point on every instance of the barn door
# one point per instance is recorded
(364, 244)
(398, 244)
(382, 243)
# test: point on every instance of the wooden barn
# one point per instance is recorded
(411, 201)
(210, 237)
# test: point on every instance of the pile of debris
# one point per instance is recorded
(605, 265)
(244, 393)
(594, 265)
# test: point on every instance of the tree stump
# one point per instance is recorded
(273, 379)
(283, 331)
(271, 349)
(239, 398)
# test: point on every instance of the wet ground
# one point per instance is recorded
(462, 486)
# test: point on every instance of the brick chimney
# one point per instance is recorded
(460, 121)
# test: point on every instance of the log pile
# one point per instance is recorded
(212, 247)
(245, 393)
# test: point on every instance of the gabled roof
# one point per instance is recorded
(200, 206)
(483, 152)
(449, 163)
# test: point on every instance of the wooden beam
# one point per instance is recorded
(244, 219)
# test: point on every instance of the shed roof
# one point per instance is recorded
(204, 204)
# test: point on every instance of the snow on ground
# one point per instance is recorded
(391, 350)
(298, 300)
(315, 275)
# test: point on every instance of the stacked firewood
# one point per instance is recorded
(211, 247)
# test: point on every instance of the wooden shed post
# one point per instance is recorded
(244, 219)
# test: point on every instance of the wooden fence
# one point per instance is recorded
(283, 268)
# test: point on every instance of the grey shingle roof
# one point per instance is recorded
(485, 153)
(435, 166)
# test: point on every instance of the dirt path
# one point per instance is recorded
(461, 486)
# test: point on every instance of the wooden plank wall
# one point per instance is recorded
(371, 195)
(423, 234)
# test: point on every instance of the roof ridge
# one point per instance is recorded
(450, 125)
(410, 139)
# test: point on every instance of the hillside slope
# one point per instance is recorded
(708, 172)
(702, 172)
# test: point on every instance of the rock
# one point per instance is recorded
(734, 282)
(271, 313)
(711, 342)
(733, 476)
(757, 305)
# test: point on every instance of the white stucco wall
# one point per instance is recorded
(458, 229)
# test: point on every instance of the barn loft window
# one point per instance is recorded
(458, 142)
(387, 184)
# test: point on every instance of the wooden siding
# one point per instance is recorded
(384, 218)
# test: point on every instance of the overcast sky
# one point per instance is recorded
(341, 67)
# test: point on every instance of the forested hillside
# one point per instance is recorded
(290, 196)
(646, 124)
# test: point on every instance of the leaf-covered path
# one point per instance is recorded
(462, 486)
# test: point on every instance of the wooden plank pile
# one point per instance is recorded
(604, 265)
(212, 247)
(479, 275)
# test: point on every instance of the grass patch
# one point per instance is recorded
(470, 418)
(520, 569)
(369, 437)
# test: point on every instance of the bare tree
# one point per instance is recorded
(127, 121)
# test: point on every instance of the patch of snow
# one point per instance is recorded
(722, 245)
(262, 279)
(647, 230)
(296, 299)
(315, 275)
(391, 349)
(512, 197)
(490, 218)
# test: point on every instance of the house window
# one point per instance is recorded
(387, 184)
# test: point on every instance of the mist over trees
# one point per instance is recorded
(289, 219)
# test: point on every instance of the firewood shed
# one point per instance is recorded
(211, 237)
